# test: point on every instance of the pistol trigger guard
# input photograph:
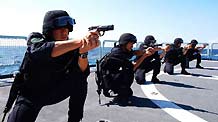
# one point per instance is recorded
(101, 33)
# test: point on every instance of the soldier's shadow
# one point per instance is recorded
(194, 74)
(135, 101)
(145, 102)
(205, 68)
(176, 84)
(200, 75)
(142, 102)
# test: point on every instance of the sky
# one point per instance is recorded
(164, 19)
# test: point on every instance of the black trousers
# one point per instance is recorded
(145, 68)
(192, 57)
(121, 83)
(169, 64)
(26, 111)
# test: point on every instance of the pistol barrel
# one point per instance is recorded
(102, 28)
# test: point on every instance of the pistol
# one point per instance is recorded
(102, 29)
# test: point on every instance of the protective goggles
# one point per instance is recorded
(153, 41)
(64, 21)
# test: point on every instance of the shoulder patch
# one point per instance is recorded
(36, 40)
(34, 37)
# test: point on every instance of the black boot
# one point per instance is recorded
(140, 82)
(199, 66)
(155, 80)
(185, 72)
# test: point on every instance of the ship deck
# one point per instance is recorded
(187, 98)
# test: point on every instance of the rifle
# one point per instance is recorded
(102, 28)
(19, 76)
(3, 118)
(152, 45)
(14, 91)
(15, 88)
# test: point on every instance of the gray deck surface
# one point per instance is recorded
(196, 94)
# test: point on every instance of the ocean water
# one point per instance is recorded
(12, 56)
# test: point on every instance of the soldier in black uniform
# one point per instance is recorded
(119, 67)
(191, 52)
(55, 68)
(175, 56)
(152, 62)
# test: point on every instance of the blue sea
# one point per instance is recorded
(11, 57)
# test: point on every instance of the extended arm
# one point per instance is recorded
(147, 53)
(62, 47)
(200, 48)
(89, 42)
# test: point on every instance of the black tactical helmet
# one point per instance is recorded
(149, 40)
(193, 41)
(127, 37)
(56, 19)
(178, 41)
